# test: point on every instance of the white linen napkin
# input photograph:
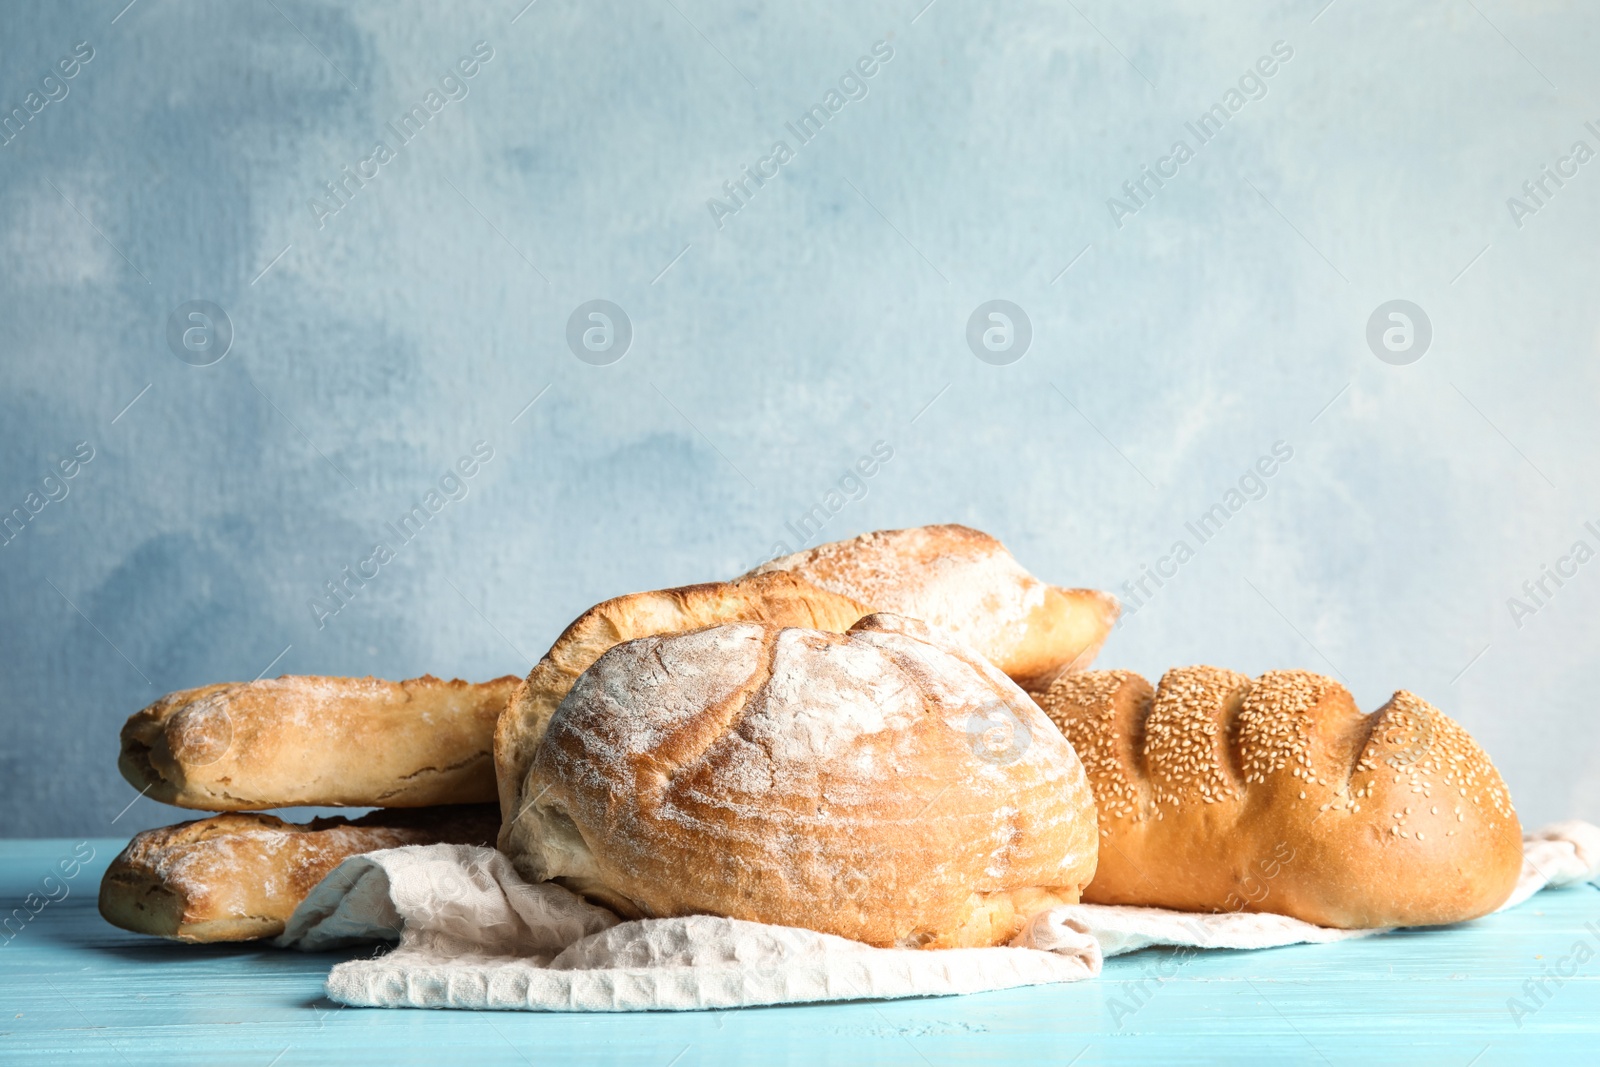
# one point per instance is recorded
(473, 934)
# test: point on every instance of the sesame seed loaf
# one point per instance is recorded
(1218, 793)
(238, 876)
(308, 740)
(838, 782)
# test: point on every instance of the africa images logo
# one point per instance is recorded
(808, 127)
(1399, 332)
(453, 87)
(53, 88)
(1206, 127)
(999, 333)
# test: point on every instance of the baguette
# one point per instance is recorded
(1217, 793)
(239, 876)
(306, 740)
(964, 582)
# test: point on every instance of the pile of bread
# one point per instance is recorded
(893, 739)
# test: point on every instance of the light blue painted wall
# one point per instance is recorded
(824, 316)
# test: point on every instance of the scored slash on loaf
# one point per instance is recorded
(1218, 793)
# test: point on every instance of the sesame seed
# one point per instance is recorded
(1208, 734)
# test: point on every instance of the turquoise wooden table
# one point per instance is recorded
(1514, 988)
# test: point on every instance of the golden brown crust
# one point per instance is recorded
(963, 581)
(238, 876)
(841, 782)
(953, 577)
(308, 740)
(779, 599)
(1217, 793)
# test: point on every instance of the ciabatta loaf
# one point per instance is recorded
(965, 582)
(881, 784)
(1218, 793)
(238, 877)
(304, 740)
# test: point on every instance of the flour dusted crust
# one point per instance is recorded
(308, 740)
(953, 577)
(848, 783)
(965, 582)
(1218, 793)
(238, 877)
(778, 599)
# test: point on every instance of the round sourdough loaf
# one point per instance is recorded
(1219, 793)
(881, 784)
